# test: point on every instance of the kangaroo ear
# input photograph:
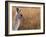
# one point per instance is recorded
(19, 10)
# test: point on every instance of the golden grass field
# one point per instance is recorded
(31, 18)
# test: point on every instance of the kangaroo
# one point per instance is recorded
(18, 19)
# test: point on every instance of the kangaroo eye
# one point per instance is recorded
(21, 15)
